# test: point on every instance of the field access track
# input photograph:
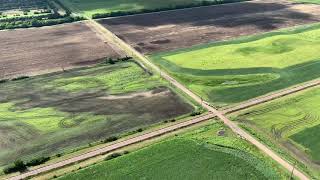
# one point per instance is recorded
(163, 31)
(41, 50)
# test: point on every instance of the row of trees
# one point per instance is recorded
(124, 13)
(34, 22)
(20, 166)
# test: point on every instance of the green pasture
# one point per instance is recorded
(229, 72)
(89, 8)
(294, 119)
(60, 112)
(198, 154)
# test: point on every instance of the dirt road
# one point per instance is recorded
(213, 113)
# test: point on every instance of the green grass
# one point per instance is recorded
(292, 121)
(56, 113)
(89, 8)
(199, 154)
(229, 72)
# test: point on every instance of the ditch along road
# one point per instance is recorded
(144, 62)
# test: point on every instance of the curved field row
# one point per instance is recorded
(290, 120)
(234, 71)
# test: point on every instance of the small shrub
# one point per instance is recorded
(172, 120)
(59, 155)
(112, 156)
(110, 139)
(139, 130)
(20, 78)
(3, 81)
(126, 152)
(37, 161)
(110, 61)
(15, 167)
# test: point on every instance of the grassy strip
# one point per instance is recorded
(200, 153)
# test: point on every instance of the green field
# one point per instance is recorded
(199, 154)
(89, 8)
(229, 72)
(308, 1)
(54, 113)
(292, 121)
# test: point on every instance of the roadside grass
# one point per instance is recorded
(56, 113)
(198, 154)
(292, 122)
(230, 72)
(90, 8)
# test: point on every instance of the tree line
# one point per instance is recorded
(199, 4)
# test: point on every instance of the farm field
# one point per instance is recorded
(198, 154)
(90, 8)
(48, 49)
(56, 113)
(230, 72)
(159, 32)
(292, 122)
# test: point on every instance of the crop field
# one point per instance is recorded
(47, 49)
(59, 112)
(159, 32)
(234, 71)
(198, 154)
(89, 8)
(292, 121)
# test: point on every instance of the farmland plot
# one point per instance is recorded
(230, 72)
(292, 122)
(165, 31)
(56, 113)
(198, 154)
(48, 49)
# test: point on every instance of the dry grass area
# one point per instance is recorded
(42, 50)
(150, 33)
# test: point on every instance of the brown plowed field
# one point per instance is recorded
(155, 32)
(41, 50)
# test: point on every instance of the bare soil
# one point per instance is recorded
(49, 49)
(156, 32)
